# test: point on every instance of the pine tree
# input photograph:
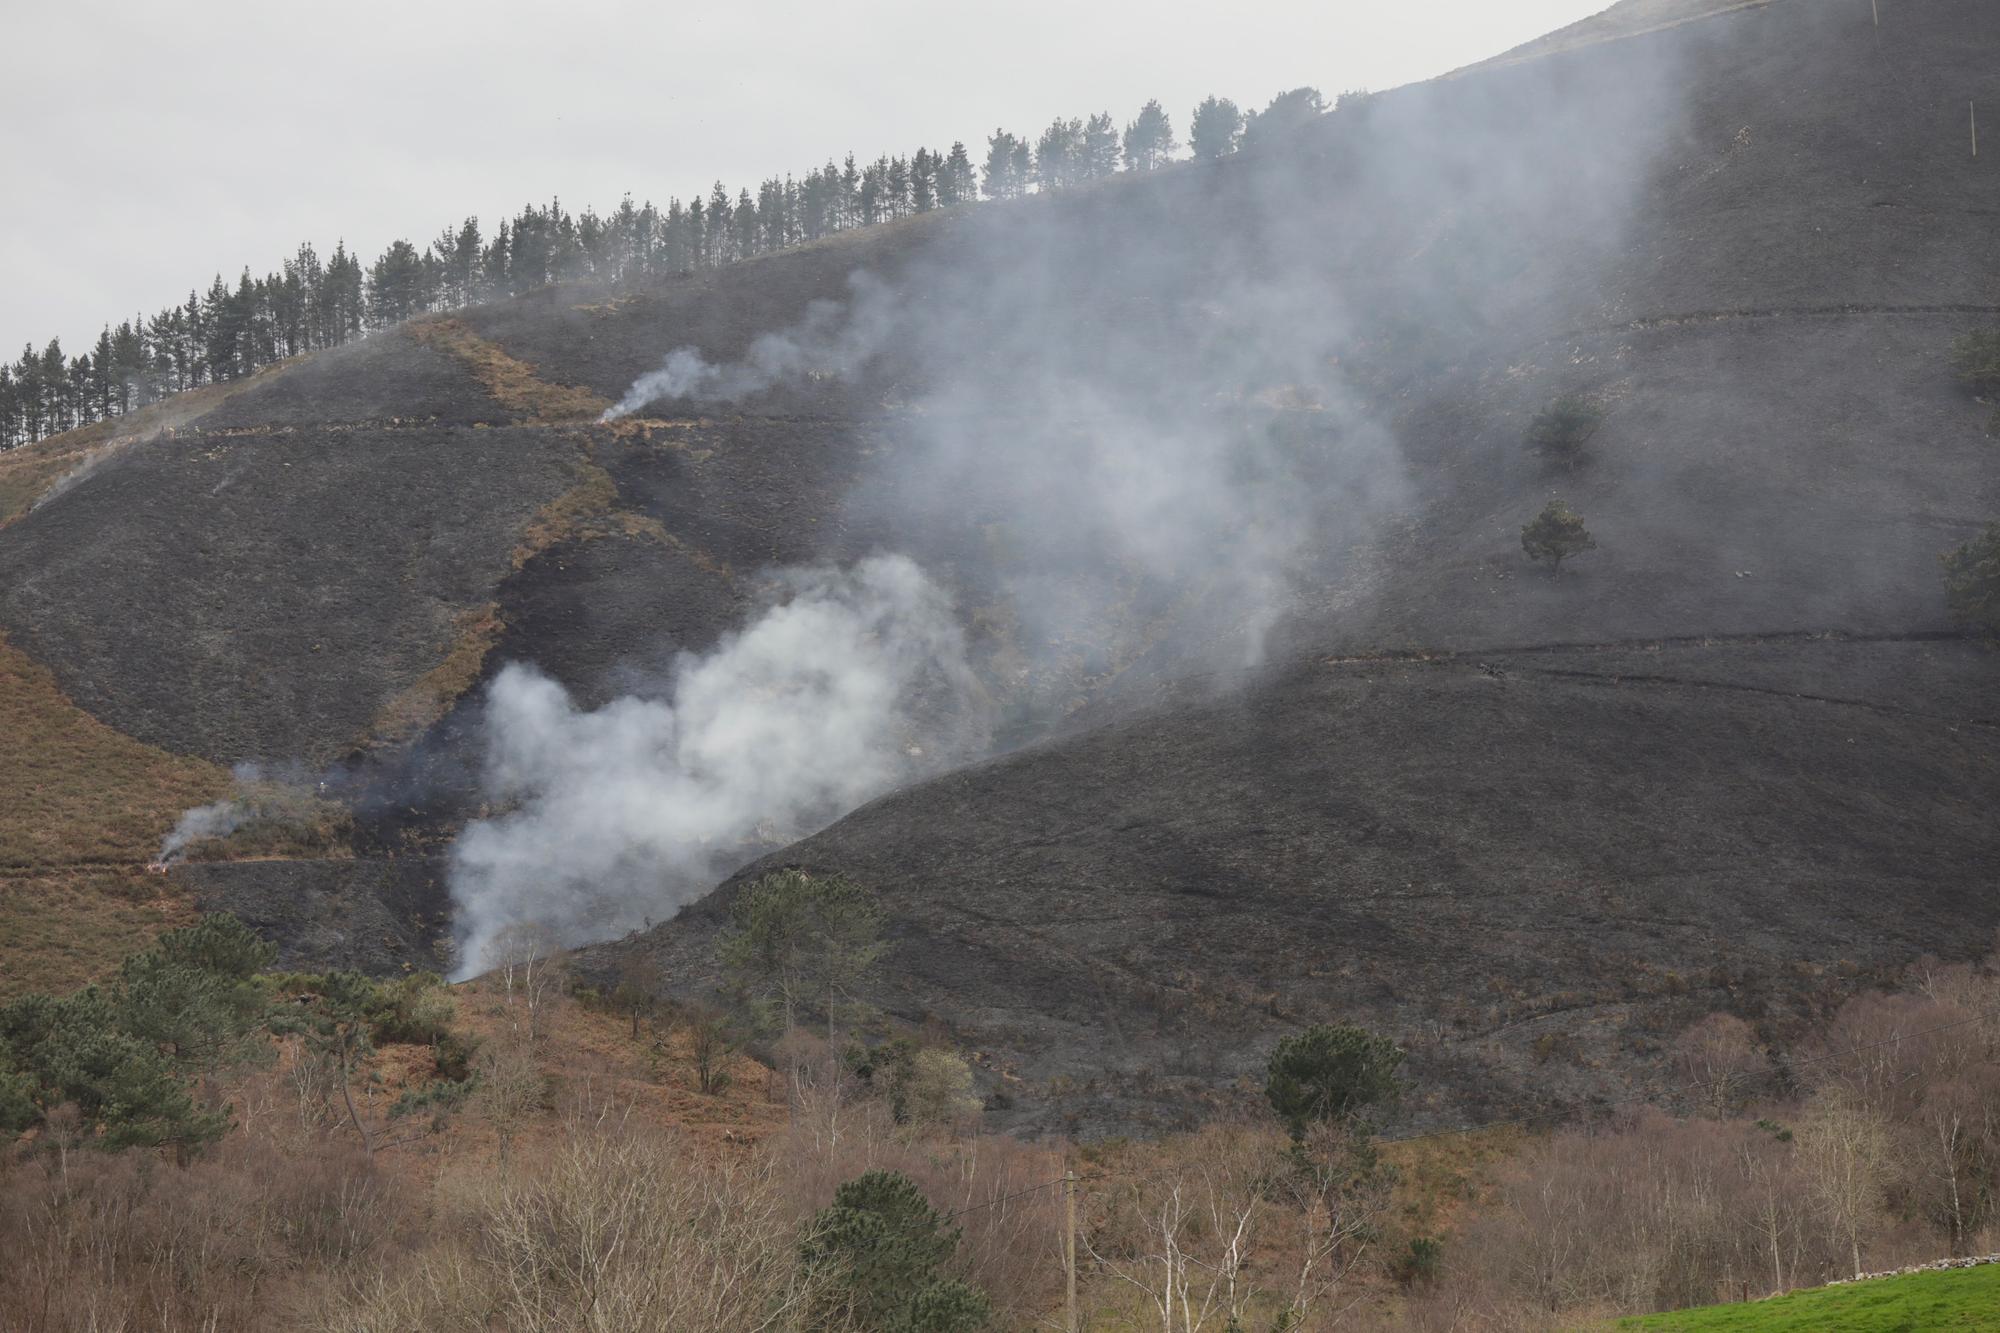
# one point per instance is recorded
(1556, 534)
(1004, 178)
(878, 1251)
(1213, 130)
(1331, 1073)
(10, 409)
(870, 197)
(697, 233)
(131, 380)
(101, 387)
(896, 187)
(850, 193)
(1288, 113)
(680, 252)
(956, 182)
(721, 234)
(745, 221)
(55, 387)
(1561, 433)
(1059, 155)
(1099, 155)
(1149, 140)
(395, 285)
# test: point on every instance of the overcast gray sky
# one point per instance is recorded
(148, 146)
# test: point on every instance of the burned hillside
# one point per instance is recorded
(1221, 471)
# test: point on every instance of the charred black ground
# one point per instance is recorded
(1735, 758)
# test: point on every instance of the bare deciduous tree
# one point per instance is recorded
(533, 970)
(1719, 1058)
(1844, 1149)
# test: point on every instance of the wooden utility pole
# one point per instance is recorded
(1069, 1251)
(1972, 109)
(1876, 6)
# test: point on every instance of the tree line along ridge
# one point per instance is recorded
(311, 303)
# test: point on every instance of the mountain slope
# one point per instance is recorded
(1267, 410)
(1577, 851)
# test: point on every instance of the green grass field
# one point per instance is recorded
(1963, 1298)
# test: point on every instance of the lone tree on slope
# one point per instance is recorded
(1972, 581)
(1562, 431)
(1556, 534)
(1331, 1074)
(804, 943)
(879, 1252)
(1975, 359)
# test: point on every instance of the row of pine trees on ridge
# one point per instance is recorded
(314, 302)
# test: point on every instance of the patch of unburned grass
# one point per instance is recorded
(512, 382)
(280, 818)
(1437, 1179)
(82, 807)
(577, 512)
(405, 716)
(1958, 1299)
(76, 792)
(63, 929)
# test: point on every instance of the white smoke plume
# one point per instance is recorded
(218, 819)
(257, 792)
(833, 340)
(92, 460)
(851, 682)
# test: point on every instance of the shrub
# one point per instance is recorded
(879, 1247)
(1972, 581)
(126, 1056)
(1562, 431)
(1421, 1261)
(937, 1090)
(711, 1045)
(1975, 361)
(803, 942)
(1331, 1073)
(1556, 534)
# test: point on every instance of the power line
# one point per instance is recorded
(1017, 1194)
(1689, 1087)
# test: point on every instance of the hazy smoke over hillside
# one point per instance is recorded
(1129, 424)
(849, 683)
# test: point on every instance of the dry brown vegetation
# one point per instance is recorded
(75, 792)
(61, 928)
(513, 383)
(82, 808)
(588, 1182)
(279, 818)
(572, 515)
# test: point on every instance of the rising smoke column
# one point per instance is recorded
(851, 682)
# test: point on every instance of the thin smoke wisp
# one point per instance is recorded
(834, 339)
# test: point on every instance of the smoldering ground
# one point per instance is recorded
(1166, 398)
